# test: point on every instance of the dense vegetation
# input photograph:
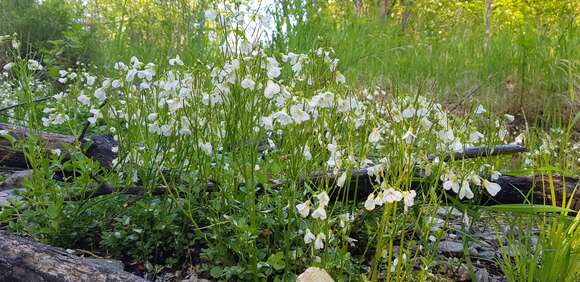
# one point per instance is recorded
(229, 106)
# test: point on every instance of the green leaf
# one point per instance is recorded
(216, 272)
(528, 209)
(277, 261)
(53, 72)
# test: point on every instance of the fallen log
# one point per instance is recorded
(515, 189)
(22, 259)
(98, 148)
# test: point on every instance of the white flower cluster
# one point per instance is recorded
(390, 195)
(462, 186)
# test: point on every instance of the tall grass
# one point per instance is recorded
(530, 68)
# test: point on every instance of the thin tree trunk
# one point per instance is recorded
(487, 24)
(383, 8)
(406, 13)
(358, 7)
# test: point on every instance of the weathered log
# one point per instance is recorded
(518, 189)
(98, 148)
(25, 260)
(514, 189)
(477, 152)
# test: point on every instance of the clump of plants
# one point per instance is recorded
(232, 145)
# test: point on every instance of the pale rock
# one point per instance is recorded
(314, 274)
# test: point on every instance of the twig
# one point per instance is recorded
(25, 103)
(476, 152)
(88, 124)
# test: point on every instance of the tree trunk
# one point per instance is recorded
(358, 7)
(406, 13)
(386, 7)
(22, 259)
(487, 25)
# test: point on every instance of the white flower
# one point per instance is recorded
(15, 43)
(475, 136)
(480, 110)
(408, 112)
(446, 135)
(340, 79)
(323, 198)
(408, 136)
(154, 128)
(306, 153)
(409, 198)
(298, 114)
(519, 139)
(210, 14)
(166, 130)
(297, 67)
(451, 184)
(322, 100)
(152, 117)
(116, 83)
(176, 61)
(375, 136)
(84, 100)
(131, 75)
(34, 65)
(340, 181)
(91, 80)
(456, 146)
(332, 147)
(465, 191)
(100, 94)
(271, 89)
(274, 72)
(466, 219)
(370, 202)
(8, 66)
(379, 199)
(303, 209)
(56, 152)
(308, 237)
(492, 188)
(267, 123)
(475, 179)
(502, 133)
(248, 83)
(283, 118)
(426, 123)
(495, 175)
(391, 195)
(374, 170)
(319, 243)
(319, 213)
(206, 148)
(394, 265)
(509, 118)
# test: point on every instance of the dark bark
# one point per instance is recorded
(514, 189)
(98, 148)
(25, 260)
